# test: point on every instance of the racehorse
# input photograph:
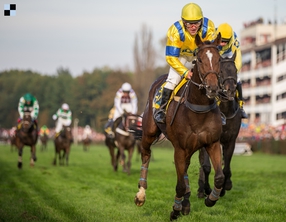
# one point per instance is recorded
(44, 140)
(230, 108)
(123, 140)
(26, 135)
(63, 145)
(193, 121)
(86, 143)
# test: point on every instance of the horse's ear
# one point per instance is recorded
(218, 39)
(233, 56)
(198, 40)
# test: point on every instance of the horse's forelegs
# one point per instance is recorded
(130, 154)
(20, 152)
(227, 154)
(186, 206)
(181, 187)
(142, 185)
(204, 172)
(215, 154)
(67, 159)
(33, 156)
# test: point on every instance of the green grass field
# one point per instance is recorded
(89, 190)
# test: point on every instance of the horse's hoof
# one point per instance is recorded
(138, 202)
(222, 193)
(201, 195)
(175, 214)
(209, 202)
(186, 210)
(19, 165)
(228, 185)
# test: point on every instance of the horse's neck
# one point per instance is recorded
(228, 107)
(197, 95)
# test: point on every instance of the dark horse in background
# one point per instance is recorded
(230, 108)
(26, 135)
(193, 121)
(44, 140)
(86, 143)
(123, 140)
(63, 145)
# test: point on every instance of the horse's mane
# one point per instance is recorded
(207, 42)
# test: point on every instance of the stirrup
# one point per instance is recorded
(223, 121)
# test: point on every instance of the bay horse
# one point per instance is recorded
(230, 108)
(192, 122)
(26, 135)
(123, 141)
(86, 143)
(63, 145)
(44, 140)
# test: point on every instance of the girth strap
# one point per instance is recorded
(200, 108)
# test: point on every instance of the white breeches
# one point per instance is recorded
(62, 122)
(124, 106)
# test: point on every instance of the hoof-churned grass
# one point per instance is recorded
(89, 190)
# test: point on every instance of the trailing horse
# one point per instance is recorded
(230, 108)
(86, 143)
(193, 121)
(44, 140)
(26, 135)
(63, 145)
(123, 140)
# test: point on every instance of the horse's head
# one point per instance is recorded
(228, 74)
(208, 65)
(27, 121)
(67, 132)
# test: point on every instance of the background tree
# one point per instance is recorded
(144, 62)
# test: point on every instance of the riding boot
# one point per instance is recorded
(160, 114)
(108, 128)
(240, 101)
(36, 124)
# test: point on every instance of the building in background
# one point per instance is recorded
(263, 73)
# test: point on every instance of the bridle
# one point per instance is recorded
(228, 78)
(199, 63)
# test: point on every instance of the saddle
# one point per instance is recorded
(158, 95)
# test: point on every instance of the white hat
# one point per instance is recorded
(126, 87)
(65, 106)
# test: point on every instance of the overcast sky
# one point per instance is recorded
(85, 34)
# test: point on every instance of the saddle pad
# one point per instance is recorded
(158, 94)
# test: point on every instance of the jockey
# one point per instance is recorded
(87, 132)
(63, 117)
(229, 44)
(44, 130)
(28, 103)
(181, 48)
(125, 100)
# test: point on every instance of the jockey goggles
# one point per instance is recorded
(225, 40)
(193, 23)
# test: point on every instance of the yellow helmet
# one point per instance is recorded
(192, 12)
(225, 31)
